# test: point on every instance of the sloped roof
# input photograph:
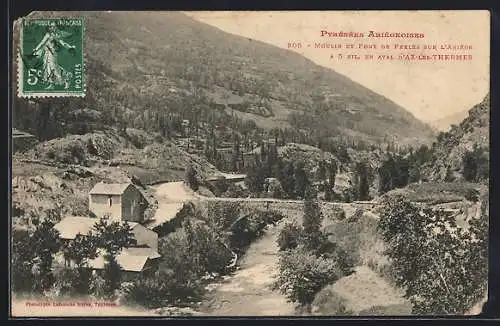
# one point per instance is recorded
(72, 225)
(129, 263)
(150, 252)
(227, 176)
(102, 188)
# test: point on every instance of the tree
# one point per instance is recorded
(220, 216)
(332, 173)
(111, 274)
(402, 172)
(192, 178)
(272, 159)
(394, 172)
(302, 275)
(475, 165)
(45, 243)
(386, 173)
(287, 180)
(275, 190)
(194, 250)
(81, 249)
(414, 173)
(441, 266)
(469, 166)
(321, 170)
(113, 236)
(22, 257)
(301, 179)
(235, 154)
(255, 179)
(208, 251)
(449, 175)
(311, 237)
(363, 191)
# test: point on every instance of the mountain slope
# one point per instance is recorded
(452, 146)
(445, 123)
(142, 62)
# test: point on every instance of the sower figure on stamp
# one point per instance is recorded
(48, 49)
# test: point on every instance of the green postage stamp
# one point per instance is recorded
(51, 57)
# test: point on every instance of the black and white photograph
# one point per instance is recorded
(250, 163)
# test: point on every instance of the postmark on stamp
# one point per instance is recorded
(50, 58)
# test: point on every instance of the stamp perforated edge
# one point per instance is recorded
(20, 75)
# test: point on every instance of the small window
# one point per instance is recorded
(110, 199)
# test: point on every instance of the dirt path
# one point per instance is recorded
(248, 292)
(173, 192)
(171, 197)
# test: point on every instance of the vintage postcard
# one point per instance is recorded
(266, 163)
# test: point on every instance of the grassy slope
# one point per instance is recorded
(366, 291)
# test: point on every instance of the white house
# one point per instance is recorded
(120, 201)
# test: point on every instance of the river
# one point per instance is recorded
(248, 291)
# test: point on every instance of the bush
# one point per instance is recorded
(345, 260)
(327, 302)
(97, 285)
(235, 191)
(358, 214)
(472, 195)
(251, 227)
(339, 213)
(275, 190)
(50, 154)
(76, 153)
(383, 269)
(302, 275)
(71, 281)
(193, 251)
(289, 236)
(349, 194)
(192, 178)
(66, 279)
(219, 187)
(161, 289)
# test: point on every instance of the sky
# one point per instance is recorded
(430, 90)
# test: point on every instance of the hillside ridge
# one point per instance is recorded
(167, 59)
